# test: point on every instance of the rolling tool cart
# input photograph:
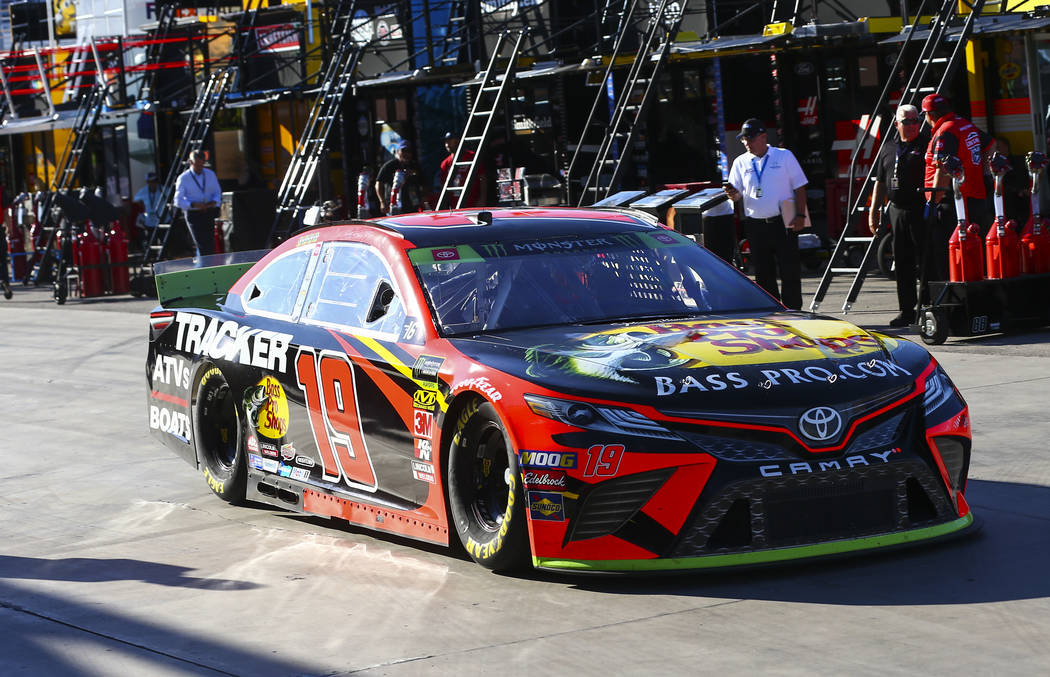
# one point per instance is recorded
(967, 305)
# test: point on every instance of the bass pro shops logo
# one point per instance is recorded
(267, 408)
(820, 424)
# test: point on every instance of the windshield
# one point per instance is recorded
(579, 280)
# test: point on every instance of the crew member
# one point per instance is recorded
(765, 177)
(148, 199)
(476, 196)
(198, 194)
(410, 191)
(952, 135)
(899, 177)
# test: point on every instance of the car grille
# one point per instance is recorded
(736, 449)
(609, 505)
(813, 508)
(880, 436)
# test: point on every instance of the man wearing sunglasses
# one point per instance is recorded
(899, 173)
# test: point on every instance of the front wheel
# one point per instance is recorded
(484, 491)
(218, 433)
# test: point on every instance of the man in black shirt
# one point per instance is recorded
(899, 178)
(409, 193)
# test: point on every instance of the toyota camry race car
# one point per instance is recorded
(575, 389)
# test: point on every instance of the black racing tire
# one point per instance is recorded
(933, 326)
(218, 438)
(484, 491)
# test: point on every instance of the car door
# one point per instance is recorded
(354, 380)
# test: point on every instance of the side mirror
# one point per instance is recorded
(381, 300)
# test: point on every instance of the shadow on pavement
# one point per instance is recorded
(38, 642)
(1008, 560)
(91, 570)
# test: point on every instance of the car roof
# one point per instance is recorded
(433, 229)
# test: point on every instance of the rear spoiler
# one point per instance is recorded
(202, 275)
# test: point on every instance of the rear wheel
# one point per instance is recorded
(485, 495)
(218, 433)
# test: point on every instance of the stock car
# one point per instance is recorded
(573, 389)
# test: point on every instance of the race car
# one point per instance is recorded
(570, 389)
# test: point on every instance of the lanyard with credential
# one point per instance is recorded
(200, 185)
(758, 173)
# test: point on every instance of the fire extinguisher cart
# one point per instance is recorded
(990, 306)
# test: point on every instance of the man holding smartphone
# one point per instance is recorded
(764, 177)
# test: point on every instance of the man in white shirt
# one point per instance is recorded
(198, 194)
(764, 177)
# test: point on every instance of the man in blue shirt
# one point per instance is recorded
(198, 194)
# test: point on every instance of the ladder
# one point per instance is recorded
(615, 21)
(309, 150)
(618, 139)
(66, 170)
(167, 16)
(490, 96)
(208, 104)
(920, 83)
(462, 42)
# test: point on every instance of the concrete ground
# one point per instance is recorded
(117, 559)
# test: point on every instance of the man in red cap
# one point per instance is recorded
(953, 135)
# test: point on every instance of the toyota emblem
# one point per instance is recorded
(820, 424)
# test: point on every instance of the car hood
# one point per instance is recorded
(792, 360)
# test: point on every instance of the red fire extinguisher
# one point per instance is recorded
(16, 250)
(364, 180)
(1002, 248)
(1035, 240)
(964, 248)
(218, 238)
(116, 246)
(87, 252)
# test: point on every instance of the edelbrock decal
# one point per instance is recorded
(227, 340)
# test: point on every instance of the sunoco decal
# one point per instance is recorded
(546, 506)
(267, 408)
(230, 341)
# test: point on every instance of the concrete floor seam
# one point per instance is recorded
(141, 647)
(497, 645)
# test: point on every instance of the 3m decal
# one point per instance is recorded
(603, 460)
(547, 459)
(331, 400)
(549, 480)
(422, 424)
(424, 399)
(228, 340)
(175, 423)
(805, 468)
(267, 408)
(426, 368)
(423, 448)
(171, 370)
(546, 506)
(482, 385)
